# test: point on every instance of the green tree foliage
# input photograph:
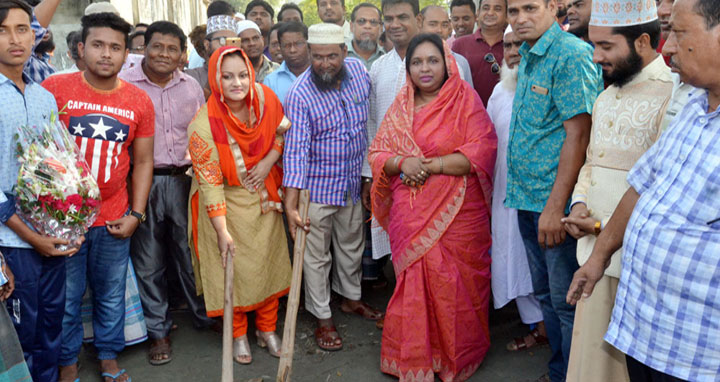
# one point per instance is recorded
(309, 8)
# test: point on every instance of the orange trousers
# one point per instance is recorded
(265, 319)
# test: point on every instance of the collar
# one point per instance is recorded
(137, 74)
(656, 70)
(284, 68)
(378, 49)
(26, 79)
(545, 42)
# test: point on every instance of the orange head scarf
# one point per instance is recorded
(256, 139)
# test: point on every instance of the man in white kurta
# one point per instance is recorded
(627, 120)
(510, 270)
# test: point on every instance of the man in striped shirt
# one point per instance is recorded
(324, 150)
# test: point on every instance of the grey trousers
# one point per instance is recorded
(162, 241)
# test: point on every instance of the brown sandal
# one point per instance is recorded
(324, 335)
(160, 348)
(363, 310)
(518, 343)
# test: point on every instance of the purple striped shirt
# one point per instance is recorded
(325, 146)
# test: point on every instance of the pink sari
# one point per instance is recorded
(437, 319)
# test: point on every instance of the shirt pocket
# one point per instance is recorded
(536, 104)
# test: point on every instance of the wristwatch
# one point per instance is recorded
(139, 216)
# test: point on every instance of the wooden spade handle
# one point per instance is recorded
(227, 342)
(288, 343)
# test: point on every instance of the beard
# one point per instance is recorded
(366, 45)
(625, 70)
(327, 81)
(580, 32)
(508, 76)
(561, 12)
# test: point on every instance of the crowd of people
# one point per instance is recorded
(561, 155)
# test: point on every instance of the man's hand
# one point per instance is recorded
(579, 223)
(122, 228)
(47, 246)
(551, 229)
(295, 221)
(584, 280)
(7, 288)
(366, 188)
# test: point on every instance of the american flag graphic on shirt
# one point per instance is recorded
(103, 136)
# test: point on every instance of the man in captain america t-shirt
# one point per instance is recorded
(108, 117)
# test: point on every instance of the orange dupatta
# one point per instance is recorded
(254, 141)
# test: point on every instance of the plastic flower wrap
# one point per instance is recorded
(56, 192)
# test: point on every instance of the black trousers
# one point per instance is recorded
(162, 241)
(639, 372)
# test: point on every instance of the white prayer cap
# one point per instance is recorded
(508, 30)
(622, 13)
(239, 16)
(221, 23)
(326, 34)
(244, 25)
(101, 7)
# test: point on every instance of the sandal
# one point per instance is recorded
(324, 335)
(114, 377)
(158, 349)
(363, 310)
(241, 348)
(518, 343)
(380, 324)
(271, 341)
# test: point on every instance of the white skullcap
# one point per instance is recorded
(102, 7)
(221, 23)
(326, 34)
(622, 13)
(239, 16)
(244, 25)
(508, 30)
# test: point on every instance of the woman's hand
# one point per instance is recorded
(226, 246)
(415, 171)
(256, 175)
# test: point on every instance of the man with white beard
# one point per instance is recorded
(510, 270)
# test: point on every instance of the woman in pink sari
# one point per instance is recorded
(434, 156)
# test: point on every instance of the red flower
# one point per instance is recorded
(60, 205)
(75, 200)
(92, 203)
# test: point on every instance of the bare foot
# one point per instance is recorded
(68, 373)
(110, 366)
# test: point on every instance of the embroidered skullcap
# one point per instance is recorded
(244, 25)
(221, 23)
(622, 13)
(101, 7)
(326, 34)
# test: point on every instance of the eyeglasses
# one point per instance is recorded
(362, 22)
(138, 49)
(490, 59)
(227, 41)
(297, 44)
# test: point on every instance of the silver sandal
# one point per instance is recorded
(241, 348)
(271, 341)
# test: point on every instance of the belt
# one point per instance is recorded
(170, 171)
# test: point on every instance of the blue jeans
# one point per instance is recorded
(36, 308)
(102, 263)
(551, 271)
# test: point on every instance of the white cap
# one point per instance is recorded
(239, 16)
(101, 7)
(326, 34)
(622, 13)
(244, 25)
(221, 23)
(508, 30)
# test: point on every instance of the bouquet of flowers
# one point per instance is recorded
(56, 192)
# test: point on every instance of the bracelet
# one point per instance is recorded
(441, 165)
(366, 180)
(399, 165)
(598, 227)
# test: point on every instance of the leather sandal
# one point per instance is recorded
(271, 341)
(518, 343)
(324, 334)
(363, 310)
(241, 348)
(160, 348)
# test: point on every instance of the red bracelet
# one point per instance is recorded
(400, 163)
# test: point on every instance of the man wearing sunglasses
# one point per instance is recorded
(366, 25)
(484, 48)
(221, 31)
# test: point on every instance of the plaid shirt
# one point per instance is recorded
(325, 146)
(38, 69)
(667, 308)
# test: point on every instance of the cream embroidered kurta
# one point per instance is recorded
(626, 122)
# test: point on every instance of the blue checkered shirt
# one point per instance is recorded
(37, 68)
(327, 141)
(667, 309)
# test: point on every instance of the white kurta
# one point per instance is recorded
(510, 269)
(387, 76)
